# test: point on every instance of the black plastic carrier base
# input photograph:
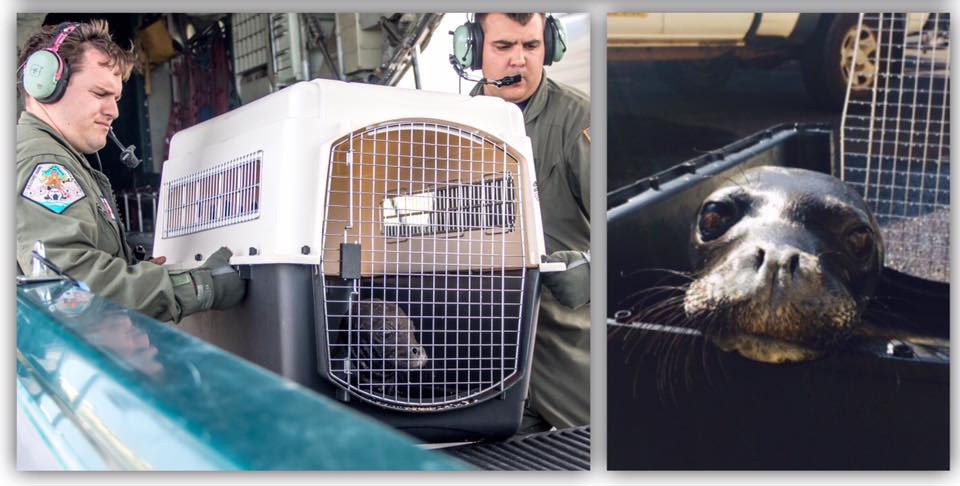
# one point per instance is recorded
(279, 326)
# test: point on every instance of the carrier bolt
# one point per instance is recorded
(899, 349)
(198, 257)
(140, 252)
(305, 250)
(252, 251)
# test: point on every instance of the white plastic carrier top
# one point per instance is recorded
(263, 178)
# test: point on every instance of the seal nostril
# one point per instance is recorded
(794, 263)
(758, 259)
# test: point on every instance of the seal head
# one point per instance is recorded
(385, 337)
(785, 260)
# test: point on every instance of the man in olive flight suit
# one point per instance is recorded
(67, 204)
(557, 120)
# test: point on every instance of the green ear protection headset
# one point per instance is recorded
(468, 43)
(45, 73)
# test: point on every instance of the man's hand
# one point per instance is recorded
(160, 260)
(213, 285)
(228, 287)
(118, 333)
(572, 286)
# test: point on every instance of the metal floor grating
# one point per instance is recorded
(557, 450)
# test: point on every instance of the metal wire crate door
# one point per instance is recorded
(432, 319)
(895, 142)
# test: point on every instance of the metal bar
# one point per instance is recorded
(416, 66)
(126, 211)
(139, 214)
(846, 101)
(943, 123)
(926, 126)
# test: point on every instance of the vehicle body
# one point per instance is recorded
(102, 387)
(696, 51)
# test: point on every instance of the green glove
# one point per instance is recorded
(228, 287)
(213, 285)
(571, 287)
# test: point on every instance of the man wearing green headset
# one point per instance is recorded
(557, 118)
(71, 79)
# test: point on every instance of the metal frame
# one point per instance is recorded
(228, 193)
(895, 142)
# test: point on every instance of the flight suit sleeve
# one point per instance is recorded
(67, 215)
(578, 163)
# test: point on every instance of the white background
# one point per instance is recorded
(598, 475)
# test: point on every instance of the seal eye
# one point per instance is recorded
(859, 242)
(716, 218)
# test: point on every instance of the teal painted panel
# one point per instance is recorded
(118, 390)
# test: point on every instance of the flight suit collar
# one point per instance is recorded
(31, 120)
(537, 102)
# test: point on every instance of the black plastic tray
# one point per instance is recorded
(866, 407)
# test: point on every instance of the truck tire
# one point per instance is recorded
(694, 77)
(826, 60)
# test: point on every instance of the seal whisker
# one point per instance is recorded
(661, 283)
(641, 310)
(659, 346)
(665, 305)
(710, 328)
(678, 273)
(673, 361)
(656, 289)
(656, 295)
(733, 181)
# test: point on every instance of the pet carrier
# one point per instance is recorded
(392, 242)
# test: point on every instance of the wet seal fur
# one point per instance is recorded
(384, 339)
(785, 262)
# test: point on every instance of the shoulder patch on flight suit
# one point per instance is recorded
(586, 133)
(53, 187)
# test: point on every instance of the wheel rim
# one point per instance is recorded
(864, 56)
